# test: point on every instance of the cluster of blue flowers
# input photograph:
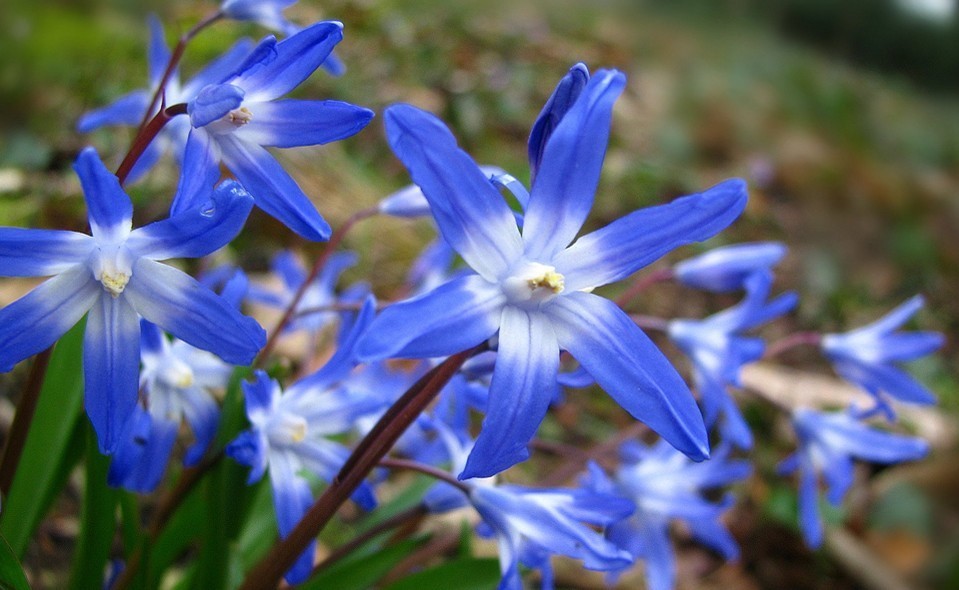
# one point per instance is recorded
(160, 344)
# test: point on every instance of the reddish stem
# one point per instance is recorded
(643, 283)
(792, 341)
(145, 136)
(364, 458)
(425, 470)
(175, 58)
(27, 407)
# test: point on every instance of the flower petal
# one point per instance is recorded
(453, 317)
(36, 320)
(41, 252)
(203, 415)
(631, 242)
(296, 58)
(111, 368)
(292, 123)
(563, 98)
(565, 184)
(126, 110)
(201, 169)
(291, 499)
(195, 232)
(213, 103)
(158, 53)
(626, 364)
(272, 188)
(191, 312)
(524, 383)
(471, 214)
(109, 208)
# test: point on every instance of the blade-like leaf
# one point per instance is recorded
(97, 519)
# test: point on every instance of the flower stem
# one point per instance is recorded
(643, 283)
(425, 470)
(403, 518)
(364, 458)
(145, 136)
(175, 58)
(792, 341)
(27, 407)
(290, 311)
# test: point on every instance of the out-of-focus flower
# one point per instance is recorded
(665, 485)
(865, 356)
(718, 349)
(726, 269)
(828, 443)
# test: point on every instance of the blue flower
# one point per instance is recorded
(828, 443)
(116, 277)
(290, 433)
(727, 269)
(534, 288)
(235, 121)
(320, 293)
(865, 356)
(531, 524)
(718, 351)
(665, 485)
(129, 110)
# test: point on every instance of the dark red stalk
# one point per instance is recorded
(364, 458)
(27, 407)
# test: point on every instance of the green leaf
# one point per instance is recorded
(98, 521)
(467, 573)
(11, 573)
(364, 572)
(47, 453)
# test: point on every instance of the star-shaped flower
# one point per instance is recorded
(533, 288)
(115, 275)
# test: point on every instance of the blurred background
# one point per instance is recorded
(842, 116)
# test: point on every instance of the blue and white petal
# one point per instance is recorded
(36, 320)
(470, 212)
(109, 208)
(191, 312)
(524, 384)
(41, 252)
(566, 181)
(111, 368)
(629, 367)
(452, 318)
(564, 96)
(631, 242)
(292, 123)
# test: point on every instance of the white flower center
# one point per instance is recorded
(112, 266)
(175, 373)
(239, 117)
(287, 429)
(532, 283)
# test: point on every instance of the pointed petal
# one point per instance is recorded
(41, 252)
(273, 189)
(562, 99)
(296, 58)
(203, 415)
(453, 317)
(109, 208)
(36, 320)
(291, 499)
(191, 312)
(631, 242)
(219, 70)
(213, 103)
(111, 368)
(292, 123)
(158, 53)
(125, 111)
(626, 364)
(195, 232)
(809, 521)
(565, 185)
(524, 383)
(290, 269)
(726, 269)
(471, 214)
(201, 169)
